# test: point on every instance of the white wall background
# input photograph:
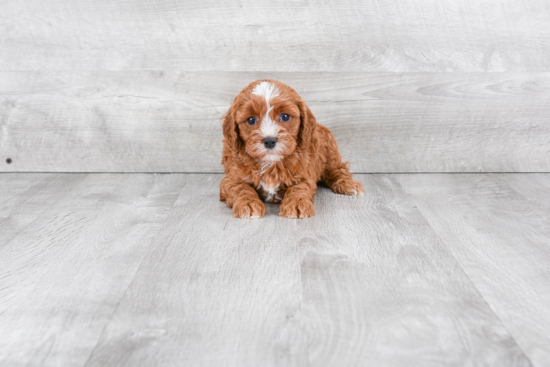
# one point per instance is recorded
(405, 85)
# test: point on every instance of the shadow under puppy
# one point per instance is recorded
(274, 149)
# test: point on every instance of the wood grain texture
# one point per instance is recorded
(214, 291)
(391, 294)
(25, 198)
(365, 281)
(156, 121)
(496, 226)
(62, 276)
(252, 35)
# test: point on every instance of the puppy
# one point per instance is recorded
(274, 149)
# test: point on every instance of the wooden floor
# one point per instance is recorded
(152, 270)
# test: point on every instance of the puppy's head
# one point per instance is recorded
(269, 121)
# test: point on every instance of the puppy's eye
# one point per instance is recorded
(251, 120)
(285, 117)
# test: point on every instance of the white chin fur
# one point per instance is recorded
(272, 158)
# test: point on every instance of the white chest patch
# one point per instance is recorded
(272, 192)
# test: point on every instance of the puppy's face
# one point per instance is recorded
(267, 120)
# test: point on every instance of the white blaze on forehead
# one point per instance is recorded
(268, 91)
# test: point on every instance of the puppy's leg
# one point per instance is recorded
(338, 178)
(298, 200)
(242, 198)
(337, 175)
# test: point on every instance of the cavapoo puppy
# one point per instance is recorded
(274, 149)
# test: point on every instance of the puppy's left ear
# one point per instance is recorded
(308, 123)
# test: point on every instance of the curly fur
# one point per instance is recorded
(305, 153)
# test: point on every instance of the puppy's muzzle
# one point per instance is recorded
(270, 142)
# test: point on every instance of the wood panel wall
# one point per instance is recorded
(406, 86)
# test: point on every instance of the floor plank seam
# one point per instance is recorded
(110, 318)
(469, 279)
(157, 234)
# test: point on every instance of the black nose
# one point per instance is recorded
(270, 142)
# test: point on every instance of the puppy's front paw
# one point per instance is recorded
(249, 209)
(348, 186)
(293, 208)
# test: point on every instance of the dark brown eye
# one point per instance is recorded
(251, 120)
(285, 117)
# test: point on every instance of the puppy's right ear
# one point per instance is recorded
(231, 129)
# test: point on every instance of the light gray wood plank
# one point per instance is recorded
(533, 187)
(409, 302)
(145, 121)
(17, 188)
(496, 226)
(62, 277)
(25, 197)
(364, 281)
(215, 291)
(380, 35)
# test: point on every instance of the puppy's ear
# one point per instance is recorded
(231, 129)
(307, 125)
